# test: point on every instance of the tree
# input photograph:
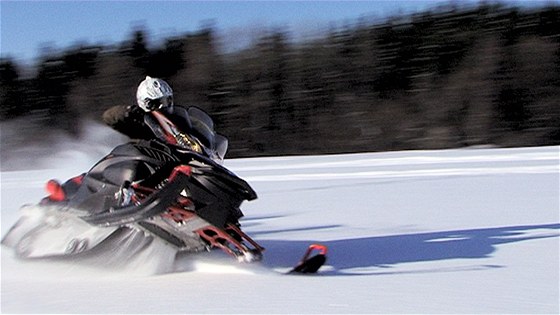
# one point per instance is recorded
(12, 97)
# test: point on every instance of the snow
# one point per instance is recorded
(450, 231)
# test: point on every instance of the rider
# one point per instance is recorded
(155, 96)
(184, 130)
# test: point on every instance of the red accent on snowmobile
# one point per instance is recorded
(178, 215)
(181, 169)
(167, 125)
(228, 243)
(77, 179)
(56, 193)
(236, 229)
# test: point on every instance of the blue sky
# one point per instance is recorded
(26, 26)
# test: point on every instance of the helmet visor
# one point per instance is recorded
(159, 103)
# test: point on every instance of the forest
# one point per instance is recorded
(444, 78)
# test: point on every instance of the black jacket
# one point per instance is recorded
(133, 122)
(128, 120)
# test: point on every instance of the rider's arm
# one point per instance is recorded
(128, 120)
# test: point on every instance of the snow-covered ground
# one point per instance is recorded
(453, 231)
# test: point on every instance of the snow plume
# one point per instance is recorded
(133, 252)
(109, 249)
(29, 146)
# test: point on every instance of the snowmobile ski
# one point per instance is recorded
(310, 265)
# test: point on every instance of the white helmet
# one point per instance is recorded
(154, 94)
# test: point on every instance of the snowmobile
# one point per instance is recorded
(173, 188)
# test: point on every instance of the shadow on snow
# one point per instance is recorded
(376, 255)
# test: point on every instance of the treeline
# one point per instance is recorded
(446, 78)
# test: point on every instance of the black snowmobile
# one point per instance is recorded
(172, 188)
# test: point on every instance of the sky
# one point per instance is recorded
(27, 27)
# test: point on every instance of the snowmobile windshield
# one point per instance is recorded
(203, 126)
